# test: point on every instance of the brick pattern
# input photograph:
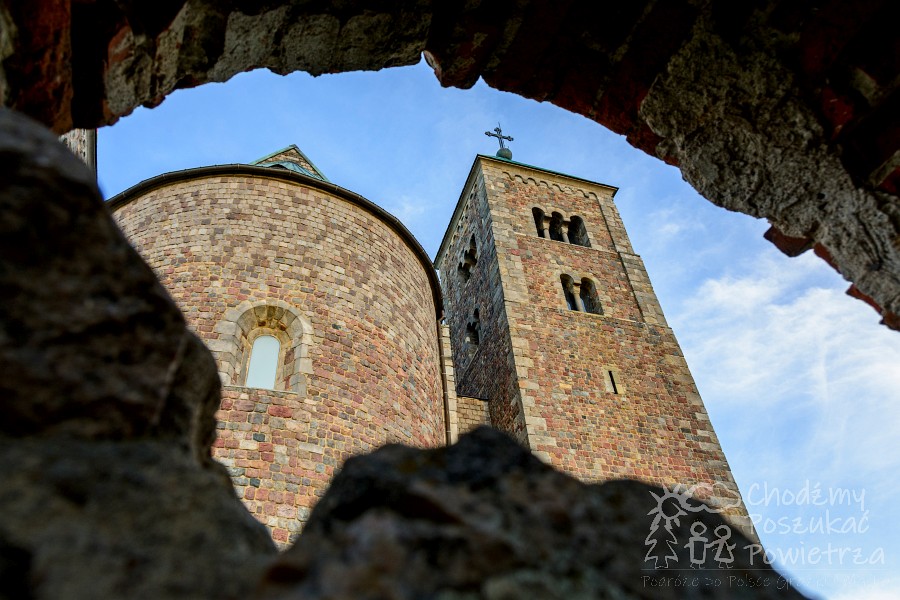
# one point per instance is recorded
(370, 360)
(471, 413)
(651, 424)
(448, 373)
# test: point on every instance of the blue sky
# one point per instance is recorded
(799, 380)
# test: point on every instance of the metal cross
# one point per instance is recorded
(499, 135)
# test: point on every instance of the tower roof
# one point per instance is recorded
(292, 159)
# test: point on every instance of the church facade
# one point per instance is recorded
(536, 317)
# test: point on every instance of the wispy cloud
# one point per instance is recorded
(769, 340)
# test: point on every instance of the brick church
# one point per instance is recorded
(334, 332)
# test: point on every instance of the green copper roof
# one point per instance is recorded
(292, 159)
(290, 166)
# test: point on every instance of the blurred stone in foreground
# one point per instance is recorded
(486, 519)
(108, 401)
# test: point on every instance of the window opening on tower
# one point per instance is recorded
(263, 365)
(556, 229)
(589, 299)
(578, 232)
(567, 285)
(469, 260)
(539, 221)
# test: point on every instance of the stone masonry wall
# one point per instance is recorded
(486, 371)
(369, 368)
(471, 413)
(648, 422)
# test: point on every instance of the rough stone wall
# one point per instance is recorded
(648, 422)
(448, 374)
(472, 413)
(220, 242)
(488, 371)
(108, 402)
(782, 110)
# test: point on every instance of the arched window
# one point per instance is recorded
(263, 365)
(556, 232)
(539, 221)
(589, 299)
(567, 285)
(578, 233)
(264, 344)
(469, 260)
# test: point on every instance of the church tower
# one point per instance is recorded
(556, 331)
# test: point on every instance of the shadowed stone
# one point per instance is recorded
(486, 519)
(134, 519)
(93, 345)
(108, 406)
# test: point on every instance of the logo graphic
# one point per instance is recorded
(662, 542)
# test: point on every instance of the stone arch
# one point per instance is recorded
(468, 260)
(569, 293)
(644, 75)
(556, 227)
(589, 297)
(539, 218)
(241, 325)
(578, 234)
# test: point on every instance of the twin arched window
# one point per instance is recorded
(560, 229)
(469, 260)
(581, 295)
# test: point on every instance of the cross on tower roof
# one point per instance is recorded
(503, 152)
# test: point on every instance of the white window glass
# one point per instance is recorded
(263, 363)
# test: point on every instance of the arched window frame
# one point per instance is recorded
(556, 231)
(539, 219)
(590, 300)
(247, 355)
(578, 232)
(569, 294)
(557, 227)
(242, 325)
(469, 259)
(473, 335)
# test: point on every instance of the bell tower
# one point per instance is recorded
(555, 326)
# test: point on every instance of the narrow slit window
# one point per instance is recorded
(612, 383)
(263, 366)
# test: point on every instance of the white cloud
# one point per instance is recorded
(672, 222)
(407, 209)
(801, 384)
